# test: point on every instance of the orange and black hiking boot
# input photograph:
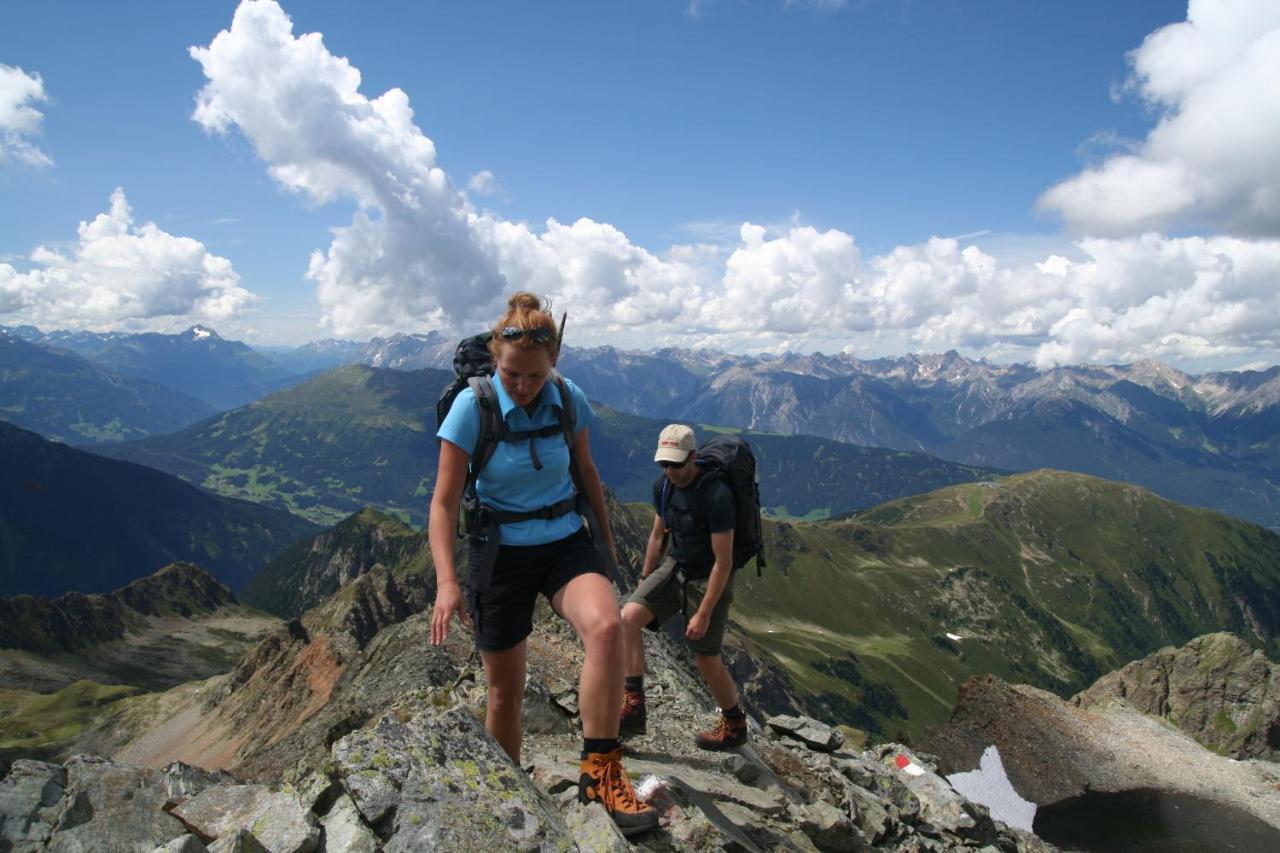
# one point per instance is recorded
(604, 781)
(633, 717)
(725, 734)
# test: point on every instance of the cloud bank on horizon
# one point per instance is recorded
(419, 253)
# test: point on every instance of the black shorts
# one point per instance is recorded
(502, 615)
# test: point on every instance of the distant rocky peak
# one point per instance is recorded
(200, 333)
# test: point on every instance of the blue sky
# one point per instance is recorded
(652, 133)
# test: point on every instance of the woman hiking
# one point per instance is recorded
(549, 551)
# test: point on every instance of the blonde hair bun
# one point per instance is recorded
(526, 300)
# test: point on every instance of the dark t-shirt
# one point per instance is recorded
(712, 512)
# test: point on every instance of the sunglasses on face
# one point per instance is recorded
(666, 464)
(538, 334)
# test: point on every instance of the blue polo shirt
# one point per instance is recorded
(509, 481)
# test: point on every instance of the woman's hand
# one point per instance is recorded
(448, 602)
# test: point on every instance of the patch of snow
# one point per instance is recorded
(990, 786)
(954, 637)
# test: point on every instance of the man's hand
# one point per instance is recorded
(698, 625)
(448, 602)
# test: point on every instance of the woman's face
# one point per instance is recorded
(523, 372)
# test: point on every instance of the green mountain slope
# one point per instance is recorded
(68, 398)
(174, 626)
(361, 436)
(313, 569)
(71, 520)
(1047, 578)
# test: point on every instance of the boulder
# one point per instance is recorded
(182, 781)
(344, 831)
(277, 820)
(810, 732)
(112, 806)
(426, 778)
(593, 830)
(829, 828)
(30, 801)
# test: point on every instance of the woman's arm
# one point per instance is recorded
(592, 486)
(442, 532)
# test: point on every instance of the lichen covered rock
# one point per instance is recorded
(426, 778)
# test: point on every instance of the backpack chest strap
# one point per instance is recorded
(546, 513)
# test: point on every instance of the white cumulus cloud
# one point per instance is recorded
(118, 273)
(1213, 158)
(19, 120)
(411, 250)
(417, 254)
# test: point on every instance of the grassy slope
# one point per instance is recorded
(1051, 579)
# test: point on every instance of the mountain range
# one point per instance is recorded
(66, 397)
(361, 436)
(71, 520)
(1208, 440)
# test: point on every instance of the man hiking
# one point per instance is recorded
(697, 509)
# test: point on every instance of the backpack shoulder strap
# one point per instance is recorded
(568, 416)
(492, 426)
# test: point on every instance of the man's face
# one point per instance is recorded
(681, 475)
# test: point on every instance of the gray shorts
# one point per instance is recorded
(664, 593)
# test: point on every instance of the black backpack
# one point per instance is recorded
(729, 458)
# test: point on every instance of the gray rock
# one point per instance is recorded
(318, 793)
(112, 806)
(344, 831)
(746, 772)
(567, 700)
(875, 817)
(829, 828)
(277, 820)
(183, 844)
(542, 714)
(182, 781)
(30, 800)
(810, 732)
(240, 841)
(593, 830)
(438, 781)
(940, 804)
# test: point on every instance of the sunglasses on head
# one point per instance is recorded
(668, 464)
(538, 334)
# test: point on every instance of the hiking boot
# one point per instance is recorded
(603, 781)
(725, 734)
(634, 717)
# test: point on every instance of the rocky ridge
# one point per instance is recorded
(178, 624)
(1053, 750)
(1216, 688)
